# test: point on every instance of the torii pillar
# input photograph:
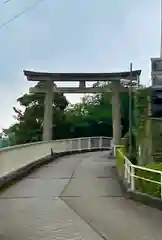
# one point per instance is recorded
(48, 111)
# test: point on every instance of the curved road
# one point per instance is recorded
(76, 197)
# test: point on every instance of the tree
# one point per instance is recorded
(91, 117)
(30, 121)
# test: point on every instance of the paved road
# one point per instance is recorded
(77, 198)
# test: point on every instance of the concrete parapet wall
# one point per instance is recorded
(17, 161)
(13, 158)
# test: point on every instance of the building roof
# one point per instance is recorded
(43, 76)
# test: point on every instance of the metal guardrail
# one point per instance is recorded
(87, 143)
(131, 173)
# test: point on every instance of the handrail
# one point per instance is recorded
(50, 141)
(130, 174)
(147, 169)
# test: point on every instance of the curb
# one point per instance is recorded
(137, 196)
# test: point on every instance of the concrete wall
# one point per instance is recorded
(13, 158)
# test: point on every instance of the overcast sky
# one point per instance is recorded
(74, 36)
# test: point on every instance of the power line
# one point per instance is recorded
(7, 1)
(21, 13)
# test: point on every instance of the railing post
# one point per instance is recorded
(114, 150)
(89, 143)
(132, 178)
(79, 144)
(125, 169)
(71, 143)
(129, 174)
(111, 144)
(161, 184)
(100, 143)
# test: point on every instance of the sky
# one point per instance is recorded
(74, 36)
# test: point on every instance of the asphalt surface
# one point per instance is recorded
(76, 197)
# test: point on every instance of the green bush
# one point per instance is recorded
(147, 187)
(120, 158)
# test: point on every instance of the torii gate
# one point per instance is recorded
(47, 86)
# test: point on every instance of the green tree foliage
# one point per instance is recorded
(30, 121)
(91, 117)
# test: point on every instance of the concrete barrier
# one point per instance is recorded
(17, 161)
(13, 158)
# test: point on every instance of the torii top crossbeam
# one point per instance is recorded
(63, 77)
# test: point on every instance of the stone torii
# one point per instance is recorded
(46, 84)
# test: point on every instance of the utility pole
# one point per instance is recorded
(130, 111)
(161, 29)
